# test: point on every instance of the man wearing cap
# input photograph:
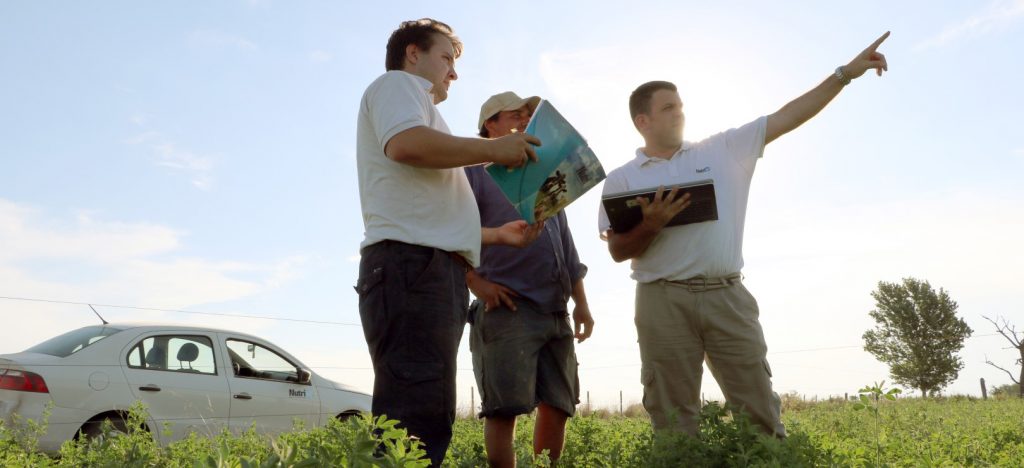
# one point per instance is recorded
(422, 230)
(691, 306)
(521, 339)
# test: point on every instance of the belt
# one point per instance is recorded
(458, 259)
(701, 283)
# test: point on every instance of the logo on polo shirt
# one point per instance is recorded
(704, 169)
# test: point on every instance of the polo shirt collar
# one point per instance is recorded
(642, 159)
(423, 82)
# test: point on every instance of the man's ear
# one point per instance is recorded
(489, 125)
(412, 54)
(641, 121)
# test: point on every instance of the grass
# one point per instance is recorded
(905, 432)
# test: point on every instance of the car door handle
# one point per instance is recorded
(149, 388)
(243, 396)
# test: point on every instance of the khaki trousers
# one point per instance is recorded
(680, 327)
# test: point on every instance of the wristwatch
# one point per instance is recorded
(845, 80)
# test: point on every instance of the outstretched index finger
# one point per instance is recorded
(878, 42)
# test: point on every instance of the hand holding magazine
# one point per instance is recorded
(565, 169)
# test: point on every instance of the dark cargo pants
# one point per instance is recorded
(413, 302)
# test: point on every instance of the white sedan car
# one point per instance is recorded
(189, 378)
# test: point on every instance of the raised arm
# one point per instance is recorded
(657, 213)
(801, 109)
(429, 148)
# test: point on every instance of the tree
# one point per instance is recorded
(1009, 390)
(1010, 333)
(917, 334)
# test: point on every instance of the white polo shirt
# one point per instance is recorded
(714, 248)
(429, 207)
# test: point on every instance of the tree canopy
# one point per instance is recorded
(918, 334)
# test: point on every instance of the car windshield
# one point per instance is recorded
(73, 341)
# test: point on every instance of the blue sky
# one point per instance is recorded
(201, 157)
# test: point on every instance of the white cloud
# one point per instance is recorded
(286, 270)
(168, 154)
(141, 138)
(198, 166)
(139, 119)
(203, 181)
(718, 93)
(86, 260)
(177, 158)
(220, 40)
(27, 235)
(995, 16)
(320, 56)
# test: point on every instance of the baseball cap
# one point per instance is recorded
(506, 101)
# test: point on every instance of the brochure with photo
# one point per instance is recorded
(565, 169)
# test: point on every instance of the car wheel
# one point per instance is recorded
(346, 415)
(94, 428)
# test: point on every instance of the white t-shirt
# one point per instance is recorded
(714, 248)
(430, 207)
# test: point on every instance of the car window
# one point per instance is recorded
(73, 341)
(178, 353)
(251, 360)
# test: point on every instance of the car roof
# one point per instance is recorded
(157, 326)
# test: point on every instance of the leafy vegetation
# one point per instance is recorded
(885, 431)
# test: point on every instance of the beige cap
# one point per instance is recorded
(507, 101)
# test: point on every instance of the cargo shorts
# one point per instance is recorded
(522, 358)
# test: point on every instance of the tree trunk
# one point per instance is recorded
(924, 394)
(1020, 379)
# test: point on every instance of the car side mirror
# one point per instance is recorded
(304, 376)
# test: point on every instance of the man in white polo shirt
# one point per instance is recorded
(422, 229)
(690, 304)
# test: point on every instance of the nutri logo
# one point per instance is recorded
(296, 393)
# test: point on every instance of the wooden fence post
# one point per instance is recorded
(984, 391)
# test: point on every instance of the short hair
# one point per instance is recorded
(421, 33)
(640, 100)
(483, 128)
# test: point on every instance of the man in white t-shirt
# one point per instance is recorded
(422, 229)
(691, 306)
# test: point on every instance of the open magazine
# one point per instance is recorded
(565, 169)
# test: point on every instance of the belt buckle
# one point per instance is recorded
(692, 283)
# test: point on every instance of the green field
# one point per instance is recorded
(907, 432)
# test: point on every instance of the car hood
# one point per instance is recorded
(340, 386)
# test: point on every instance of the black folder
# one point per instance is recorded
(624, 211)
